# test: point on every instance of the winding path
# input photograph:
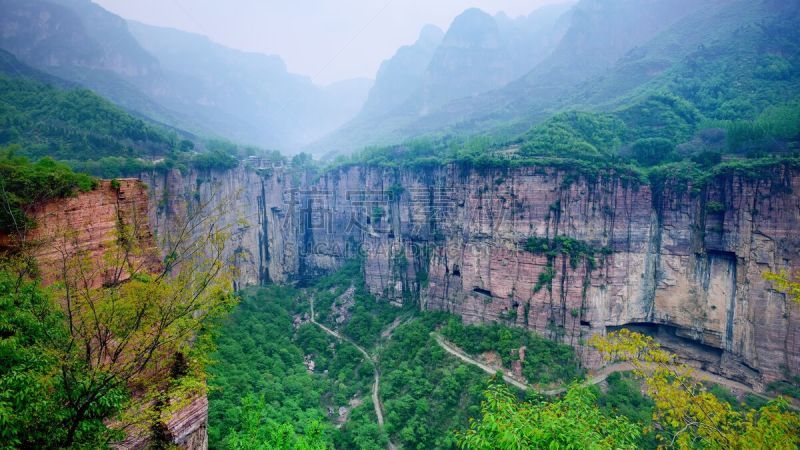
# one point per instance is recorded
(597, 378)
(458, 353)
(376, 399)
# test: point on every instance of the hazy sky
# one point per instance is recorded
(328, 40)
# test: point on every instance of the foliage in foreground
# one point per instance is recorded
(686, 413)
(258, 431)
(115, 345)
(32, 332)
(573, 421)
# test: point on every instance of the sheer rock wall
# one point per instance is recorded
(88, 223)
(683, 264)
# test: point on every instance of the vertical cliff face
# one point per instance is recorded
(89, 224)
(567, 256)
(683, 264)
(254, 207)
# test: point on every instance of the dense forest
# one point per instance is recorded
(74, 124)
(266, 347)
(279, 377)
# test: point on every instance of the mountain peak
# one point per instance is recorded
(430, 35)
(472, 29)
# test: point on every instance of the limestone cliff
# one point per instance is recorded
(88, 224)
(683, 263)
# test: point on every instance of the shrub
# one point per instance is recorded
(652, 151)
(715, 207)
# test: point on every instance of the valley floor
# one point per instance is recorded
(332, 363)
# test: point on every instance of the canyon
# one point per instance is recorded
(680, 262)
(683, 263)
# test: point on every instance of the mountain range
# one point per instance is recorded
(593, 55)
(174, 77)
(484, 75)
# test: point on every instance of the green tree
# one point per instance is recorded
(23, 183)
(260, 432)
(34, 402)
(652, 151)
(573, 421)
(113, 325)
(690, 416)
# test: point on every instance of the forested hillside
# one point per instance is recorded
(44, 116)
(575, 228)
(707, 53)
(735, 99)
(73, 124)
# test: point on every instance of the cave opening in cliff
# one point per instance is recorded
(482, 291)
(650, 329)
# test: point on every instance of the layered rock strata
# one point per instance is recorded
(683, 263)
(89, 225)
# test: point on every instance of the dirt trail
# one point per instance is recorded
(376, 399)
(597, 378)
(458, 353)
(387, 333)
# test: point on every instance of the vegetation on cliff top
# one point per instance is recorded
(658, 138)
(732, 104)
(24, 183)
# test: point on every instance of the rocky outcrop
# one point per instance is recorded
(90, 224)
(255, 207)
(189, 425)
(683, 263)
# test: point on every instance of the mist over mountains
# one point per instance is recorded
(488, 245)
(591, 55)
(484, 74)
(177, 78)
